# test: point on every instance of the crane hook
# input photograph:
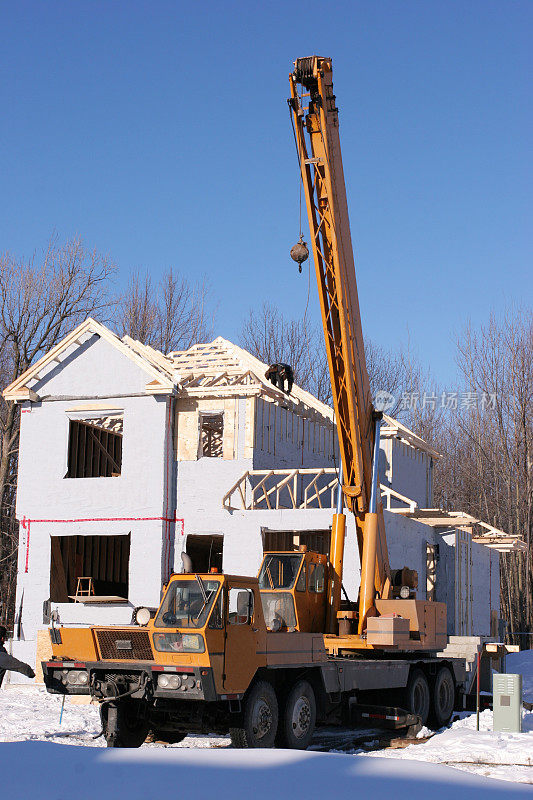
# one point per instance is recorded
(299, 252)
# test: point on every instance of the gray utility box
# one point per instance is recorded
(507, 702)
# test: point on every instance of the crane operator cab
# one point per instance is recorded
(293, 592)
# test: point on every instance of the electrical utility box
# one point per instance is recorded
(507, 702)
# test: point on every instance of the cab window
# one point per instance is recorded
(279, 571)
(316, 578)
(300, 584)
(187, 603)
(240, 606)
(216, 620)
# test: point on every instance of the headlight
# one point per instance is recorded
(179, 642)
(169, 682)
(142, 616)
(78, 678)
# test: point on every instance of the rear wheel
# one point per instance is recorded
(416, 697)
(297, 724)
(260, 718)
(442, 699)
(124, 723)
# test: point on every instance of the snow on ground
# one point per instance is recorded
(29, 714)
(508, 756)
(30, 734)
(47, 771)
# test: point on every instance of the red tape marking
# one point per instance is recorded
(26, 524)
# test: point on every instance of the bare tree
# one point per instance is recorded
(170, 315)
(269, 336)
(40, 301)
(488, 447)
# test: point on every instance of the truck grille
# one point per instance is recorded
(124, 645)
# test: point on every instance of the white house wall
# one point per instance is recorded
(483, 587)
(407, 470)
(45, 494)
(283, 439)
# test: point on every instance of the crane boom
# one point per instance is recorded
(316, 129)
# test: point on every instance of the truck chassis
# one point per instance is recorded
(282, 705)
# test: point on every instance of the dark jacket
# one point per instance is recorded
(8, 662)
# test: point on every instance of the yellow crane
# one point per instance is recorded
(316, 130)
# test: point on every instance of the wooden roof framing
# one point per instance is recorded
(488, 535)
(212, 369)
(394, 429)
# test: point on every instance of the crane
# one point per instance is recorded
(315, 122)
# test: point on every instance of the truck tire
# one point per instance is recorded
(417, 698)
(130, 729)
(442, 698)
(298, 720)
(260, 718)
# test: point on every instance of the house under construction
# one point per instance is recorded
(129, 457)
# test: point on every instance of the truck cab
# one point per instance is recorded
(293, 591)
(204, 641)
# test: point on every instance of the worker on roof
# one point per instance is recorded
(8, 662)
(278, 373)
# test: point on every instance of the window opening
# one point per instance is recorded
(431, 570)
(211, 435)
(103, 559)
(205, 552)
(279, 541)
(95, 447)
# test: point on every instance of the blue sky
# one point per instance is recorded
(159, 132)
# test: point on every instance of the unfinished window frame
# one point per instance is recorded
(205, 547)
(103, 557)
(218, 447)
(101, 435)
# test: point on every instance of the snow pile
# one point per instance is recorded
(30, 713)
(86, 773)
(508, 756)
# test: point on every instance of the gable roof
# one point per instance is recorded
(213, 369)
(23, 387)
(222, 368)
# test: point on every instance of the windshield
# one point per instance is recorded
(279, 571)
(187, 603)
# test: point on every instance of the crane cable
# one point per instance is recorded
(300, 182)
